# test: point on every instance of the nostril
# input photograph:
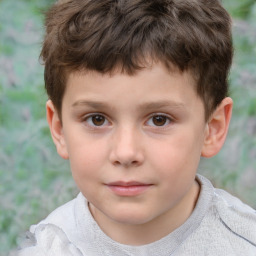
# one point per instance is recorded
(126, 163)
(131, 163)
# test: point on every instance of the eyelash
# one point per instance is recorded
(88, 120)
(168, 120)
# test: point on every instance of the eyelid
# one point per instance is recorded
(85, 117)
(161, 114)
(170, 118)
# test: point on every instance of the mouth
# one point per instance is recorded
(128, 189)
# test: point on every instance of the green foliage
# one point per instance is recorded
(29, 166)
(238, 8)
(34, 180)
(252, 108)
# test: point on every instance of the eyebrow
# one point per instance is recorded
(161, 104)
(143, 106)
(93, 104)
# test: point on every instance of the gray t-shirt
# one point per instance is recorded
(220, 225)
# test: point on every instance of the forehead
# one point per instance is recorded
(149, 70)
(151, 86)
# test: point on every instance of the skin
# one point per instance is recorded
(134, 144)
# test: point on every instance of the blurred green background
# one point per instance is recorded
(34, 180)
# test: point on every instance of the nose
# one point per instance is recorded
(126, 148)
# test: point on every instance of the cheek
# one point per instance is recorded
(176, 164)
(176, 156)
(86, 157)
(86, 167)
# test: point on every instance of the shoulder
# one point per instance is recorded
(228, 226)
(57, 232)
(66, 216)
(228, 207)
(50, 240)
(62, 217)
(236, 216)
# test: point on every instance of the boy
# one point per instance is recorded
(137, 94)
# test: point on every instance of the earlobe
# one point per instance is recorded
(55, 126)
(217, 128)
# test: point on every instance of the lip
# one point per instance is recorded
(128, 189)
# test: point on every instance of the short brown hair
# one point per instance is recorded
(103, 35)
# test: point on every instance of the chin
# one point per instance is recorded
(132, 218)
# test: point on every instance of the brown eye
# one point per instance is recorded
(98, 120)
(159, 120)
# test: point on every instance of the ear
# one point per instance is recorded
(217, 128)
(56, 129)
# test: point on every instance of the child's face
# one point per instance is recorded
(134, 142)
